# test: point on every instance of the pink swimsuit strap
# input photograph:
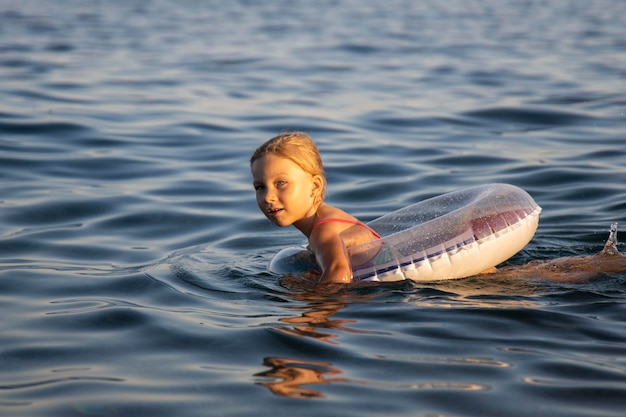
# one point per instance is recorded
(349, 221)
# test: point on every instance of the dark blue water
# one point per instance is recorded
(133, 258)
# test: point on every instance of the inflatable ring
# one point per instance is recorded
(454, 235)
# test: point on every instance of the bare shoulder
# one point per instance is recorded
(327, 229)
(326, 211)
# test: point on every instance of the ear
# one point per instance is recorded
(318, 185)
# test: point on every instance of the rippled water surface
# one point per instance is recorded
(133, 258)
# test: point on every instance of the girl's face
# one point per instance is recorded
(285, 192)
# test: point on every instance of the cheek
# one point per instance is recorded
(259, 199)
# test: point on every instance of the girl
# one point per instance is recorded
(289, 180)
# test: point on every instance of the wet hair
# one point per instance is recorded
(297, 147)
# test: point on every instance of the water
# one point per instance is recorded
(133, 258)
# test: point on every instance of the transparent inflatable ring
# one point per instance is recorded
(455, 235)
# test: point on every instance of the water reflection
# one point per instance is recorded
(316, 323)
(302, 377)
(493, 291)
(319, 305)
(290, 375)
(315, 310)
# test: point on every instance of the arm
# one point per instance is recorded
(331, 255)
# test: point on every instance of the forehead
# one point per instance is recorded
(271, 165)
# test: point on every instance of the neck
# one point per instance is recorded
(305, 225)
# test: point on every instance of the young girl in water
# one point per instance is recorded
(289, 180)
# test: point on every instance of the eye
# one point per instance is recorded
(281, 183)
(258, 187)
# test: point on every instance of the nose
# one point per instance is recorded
(269, 195)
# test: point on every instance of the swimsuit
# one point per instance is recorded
(355, 222)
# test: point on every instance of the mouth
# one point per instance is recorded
(273, 212)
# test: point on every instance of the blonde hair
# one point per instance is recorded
(297, 147)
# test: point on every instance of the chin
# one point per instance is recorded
(279, 223)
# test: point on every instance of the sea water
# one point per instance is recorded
(133, 258)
